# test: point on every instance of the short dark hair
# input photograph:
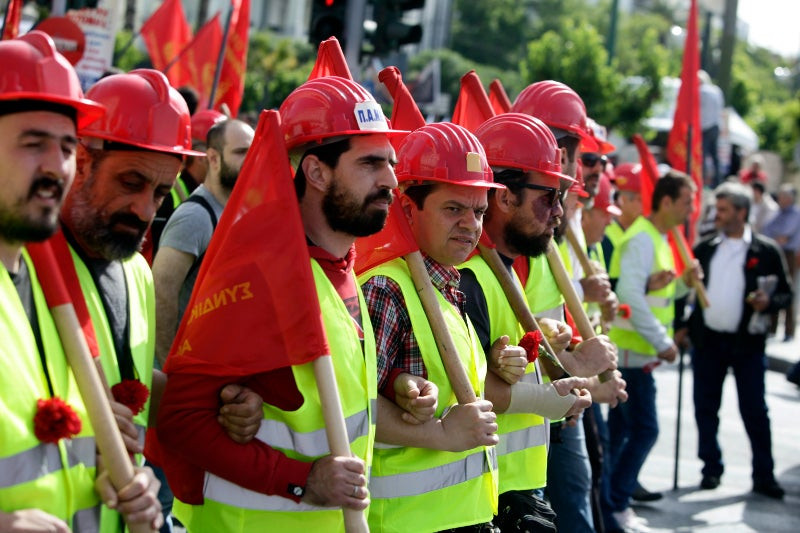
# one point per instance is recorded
(215, 138)
(191, 96)
(670, 185)
(327, 153)
(419, 192)
(512, 178)
(570, 142)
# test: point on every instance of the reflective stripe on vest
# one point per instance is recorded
(526, 468)
(87, 520)
(541, 290)
(421, 482)
(521, 439)
(45, 459)
(223, 491)
(312, 444)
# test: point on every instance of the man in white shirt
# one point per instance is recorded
(745, 275)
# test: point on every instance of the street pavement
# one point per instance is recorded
(731, 508)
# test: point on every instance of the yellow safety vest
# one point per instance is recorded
(141, 338)
(522, 451)
(661, 302)
(300, 434)
(541, 290)
(434, 490)
(55, 478)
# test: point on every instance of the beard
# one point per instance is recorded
(525, 243)
(227, 175)
(96, 229)
(16, 227)
(346, 214)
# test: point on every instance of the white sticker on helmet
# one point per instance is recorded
(369, 116)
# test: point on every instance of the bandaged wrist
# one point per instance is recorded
(541, 399)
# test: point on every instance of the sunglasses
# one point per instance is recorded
(554, 196)
(590, 160)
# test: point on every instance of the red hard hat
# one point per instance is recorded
(558, 106)
(602, 200)
(330, 107)
(443, 152)
(203, 120)
(628, 177)
(515, 140)
(577, 187)
(600, 135)
(32, 69)
(143, 111)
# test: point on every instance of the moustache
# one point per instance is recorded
(128, 220)
(46, 182)
(382, 194)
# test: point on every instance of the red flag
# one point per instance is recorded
(499, 98)
(11, 21)
(648, 183)
(393, 241)
(687, 119)
(330, 61)
(405, 113)
(199, 59)
(649, 173)
(231, 80)
(165, 34)
(472, 107)
(256, 280)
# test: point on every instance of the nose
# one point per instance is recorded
(558, 210)
(470, 221)
(57, 164)
(144, 205)
(387, 179)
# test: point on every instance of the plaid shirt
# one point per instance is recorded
(397, 348)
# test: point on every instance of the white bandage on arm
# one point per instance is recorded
(541, 399)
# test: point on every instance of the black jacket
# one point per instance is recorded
(763, 258)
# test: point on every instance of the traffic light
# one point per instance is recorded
(390, 30)
(327, 20)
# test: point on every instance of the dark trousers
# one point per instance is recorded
(710, 366)
(710, 138)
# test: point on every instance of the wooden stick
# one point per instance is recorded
(459, 380)
(516, 299)
(336, 431)
(107, 435)
(697, 285)
(588, 268)
(574, 303)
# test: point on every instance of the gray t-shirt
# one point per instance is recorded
(189, 230)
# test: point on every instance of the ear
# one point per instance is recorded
(503, 200)
(318, 174)
(214, 160)
(564, 156)
(408, 206)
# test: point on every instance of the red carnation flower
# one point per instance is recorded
(751, 263)
(531, 342)
(624, 311)
(55, 420)
(131, 393)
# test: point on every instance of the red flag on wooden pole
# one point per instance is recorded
(242, 291)
(393, 241)
(685, 137)
(11, 20)
(231, 81)
(649, 173)
(472, 107)
(330, 61)
(165, 34)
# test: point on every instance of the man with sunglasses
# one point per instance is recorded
(520, 221)
(564, 112)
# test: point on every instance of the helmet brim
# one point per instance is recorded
(88, 111)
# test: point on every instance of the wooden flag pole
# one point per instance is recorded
(574, 303)
(516, 299)
(583, 257)
(459, 380)
(336, 431)
(697, 285)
